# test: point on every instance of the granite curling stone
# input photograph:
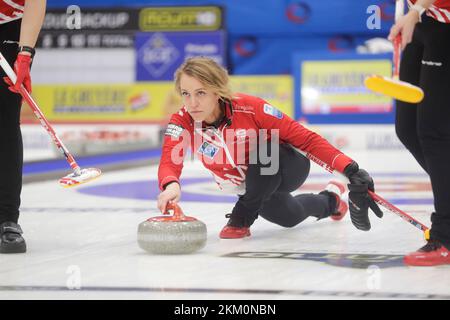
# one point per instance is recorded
(172, 234)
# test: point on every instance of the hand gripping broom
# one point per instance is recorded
(393, 87)
(378, 199)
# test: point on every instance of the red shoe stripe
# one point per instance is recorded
(426, 259)
(229, 232)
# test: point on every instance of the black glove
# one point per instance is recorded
(359, 200)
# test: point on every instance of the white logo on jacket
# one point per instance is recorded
(272, 111)
(432, 63)
(173, 130)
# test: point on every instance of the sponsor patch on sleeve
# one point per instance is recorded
(174, 130)
(272, 111)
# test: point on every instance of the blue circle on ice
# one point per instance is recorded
(193, 190)
(204, 190)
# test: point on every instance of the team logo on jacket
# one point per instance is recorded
(274, 112)
(173, 130)
(208, 149)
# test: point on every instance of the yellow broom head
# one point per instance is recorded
(394, 88)
(427, 234)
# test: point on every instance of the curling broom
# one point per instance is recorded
(79, 175)
(379, 200)
(393, 87)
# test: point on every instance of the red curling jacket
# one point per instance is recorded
(225, 147)
(439, 10)
(11, 10)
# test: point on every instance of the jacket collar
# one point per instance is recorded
(227, 108)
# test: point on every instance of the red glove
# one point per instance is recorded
(22, 70)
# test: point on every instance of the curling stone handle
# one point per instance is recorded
(177, 212)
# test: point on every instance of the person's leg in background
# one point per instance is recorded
(406, 113)
(434, 125)
(433, 121)
(11, 157)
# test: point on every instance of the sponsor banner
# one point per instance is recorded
(285, 17)
(159, 54)
(329, 88)
(82, 18)
(360, 137)
(140, 102)
(85, 39)
(180, 19)
(116, 103)
(88, 139)
(268, 54)
(78, 27)
(338, 87)
(277, 90)
(94, 138)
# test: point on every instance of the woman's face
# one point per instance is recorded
(201, 102)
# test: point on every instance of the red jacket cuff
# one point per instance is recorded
(166, 180)
(340, 162)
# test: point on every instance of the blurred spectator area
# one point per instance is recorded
(261, 36)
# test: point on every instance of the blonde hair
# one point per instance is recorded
(208, 72)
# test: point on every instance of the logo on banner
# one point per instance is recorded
(208, 150)
(158, 54)
(246, 46)
(341, 43)
(298, 13)
(186, 18)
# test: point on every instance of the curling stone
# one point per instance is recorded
(172, 234)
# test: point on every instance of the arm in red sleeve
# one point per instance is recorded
(292, 132)
(176, 141)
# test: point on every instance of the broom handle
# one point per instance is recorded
(38, 113)
(379, 200)
(399, 11)
(396, 57)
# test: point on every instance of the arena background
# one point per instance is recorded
(102, 75)
(103, 70)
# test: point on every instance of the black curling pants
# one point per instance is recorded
(11, 148)
(424, 128)
(268, 195)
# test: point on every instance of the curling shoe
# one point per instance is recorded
(337, 189)
(231, 231)
(432, 254)
(11, 240)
